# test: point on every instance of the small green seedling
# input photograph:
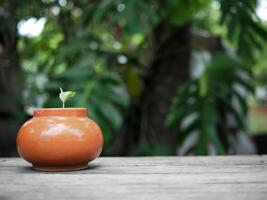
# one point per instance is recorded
(64, 96)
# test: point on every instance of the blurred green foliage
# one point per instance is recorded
(198, 103)
(100, 48)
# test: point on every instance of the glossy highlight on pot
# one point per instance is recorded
(57, 139)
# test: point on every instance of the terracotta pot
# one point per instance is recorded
(57, 139)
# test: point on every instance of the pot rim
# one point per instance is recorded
(71, 111)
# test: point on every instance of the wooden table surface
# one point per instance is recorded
(123, 178)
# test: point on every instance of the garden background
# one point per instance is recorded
(173, 77)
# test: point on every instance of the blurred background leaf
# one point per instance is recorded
(197, 67)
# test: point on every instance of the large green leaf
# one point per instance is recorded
(221, 78)
(243, 27)
(238, 117)
(109, 112)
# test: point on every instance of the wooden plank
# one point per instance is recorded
(225, 177)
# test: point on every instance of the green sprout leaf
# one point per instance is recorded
(64, 96)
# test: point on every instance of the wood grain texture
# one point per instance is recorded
(224, 177)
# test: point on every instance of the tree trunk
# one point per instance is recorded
(168, 71)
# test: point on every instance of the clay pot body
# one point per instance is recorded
(59, 139)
